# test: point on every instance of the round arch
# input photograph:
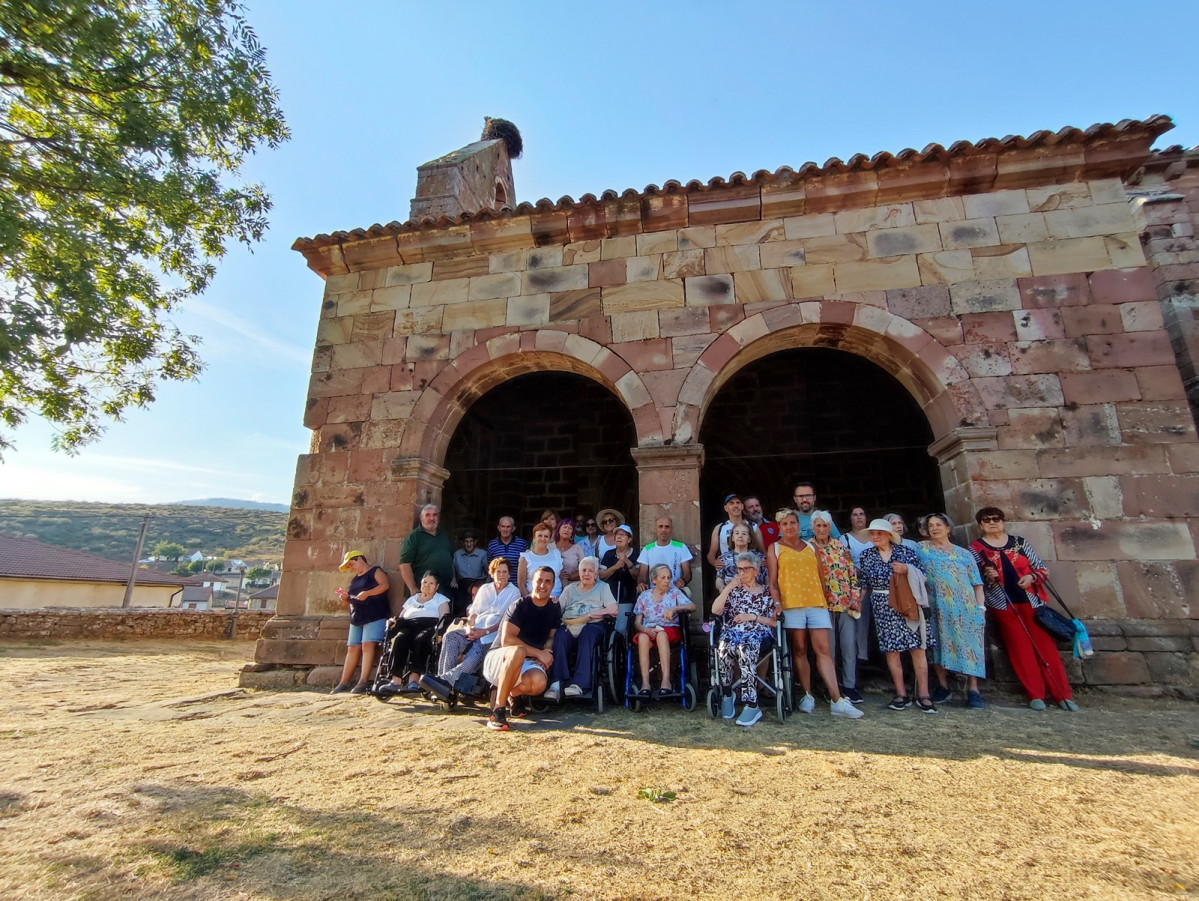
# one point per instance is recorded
(929, 372)
(472, 374)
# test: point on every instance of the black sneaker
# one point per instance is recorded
(436, 687)
(926, 705)
(498, 721)
(854, 697)
(901, 702)
(941, 694)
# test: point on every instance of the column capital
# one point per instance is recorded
(962, 440)
(419, 468)
(669, 456)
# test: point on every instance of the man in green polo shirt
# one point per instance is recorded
(427, 549)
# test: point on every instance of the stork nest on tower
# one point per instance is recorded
(506, 132)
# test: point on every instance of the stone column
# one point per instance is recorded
(958, 456)
(668, 484)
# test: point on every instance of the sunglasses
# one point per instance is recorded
(991, 519)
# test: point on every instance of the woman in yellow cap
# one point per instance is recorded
(369, 610)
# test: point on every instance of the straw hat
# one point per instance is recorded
(881, 525)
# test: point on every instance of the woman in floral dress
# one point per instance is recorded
(839, 577)
(958, 611)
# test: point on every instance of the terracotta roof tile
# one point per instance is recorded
(1151, 127)
(25, 558)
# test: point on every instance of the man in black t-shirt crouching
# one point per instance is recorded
(518, 662)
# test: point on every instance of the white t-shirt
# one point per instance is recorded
(673, 555)
(488, 607)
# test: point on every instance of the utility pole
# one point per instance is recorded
(137, 555)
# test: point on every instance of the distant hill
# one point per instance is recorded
(233, 504)
(110, 530)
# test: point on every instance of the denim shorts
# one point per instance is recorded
(370, 632)
(807, 618)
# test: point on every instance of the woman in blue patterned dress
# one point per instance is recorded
(895, 635)
(958, 610)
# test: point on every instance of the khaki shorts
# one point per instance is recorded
(496, 659)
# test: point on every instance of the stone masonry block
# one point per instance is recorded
(637, 326)
(1070, 289)
(490, 287)
(1001, 261)
(922, 302)
(548, 257)
(1108, 386)
(582, 252)
(956, 235)
(834, 249)
(1160, 383)
(697, 237)
(1050, 499)
(995, 203)
(1023, 228)
(657, 242)
(396, 297)
(709, 290)
(1093, 319)
(762, 286)
(780, 254)
(1038, 325)
(1019, 391)
(750, 232)
(1031, 428)
(938, 209)
(683, 264)
(1049, 356)
(353, 304)
(1122, 285)
(984, 328)
(894, 242)
(565, 278)
(1043, 198)
(877, 275)
(643, 268)
(573, 305)
(533, 309)
(731, 259)
(1125, 250)
(984, 360)
(614, 248)
(1156, 422)
(985, 296)
(1116, 668)
(1101, 461)
(946, 268)
(1091, 425)
(1144, 316)
(1160, 496)
(476, 315)
(657, 295)
(1069, 255)
(894, 215)
(1084, 222)
(812, 226)
(410, 274)
(1123, 541)
(813, 280)
(429, 294)
(1137, 349)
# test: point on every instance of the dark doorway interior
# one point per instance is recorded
(822, 416)
(542, 440)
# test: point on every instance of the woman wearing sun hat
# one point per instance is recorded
(895, 634)
(369, 609)
(608, 520)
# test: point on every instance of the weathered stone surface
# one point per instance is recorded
(1116, 668)
(1123, 541)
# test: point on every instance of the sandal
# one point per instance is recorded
(925, 705)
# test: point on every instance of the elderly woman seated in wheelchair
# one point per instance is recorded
(584, 603)
(748, 622)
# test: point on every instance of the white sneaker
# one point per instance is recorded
(844, 707)
(808, 704)
(573, 691)
(728, 707)
(553, 692)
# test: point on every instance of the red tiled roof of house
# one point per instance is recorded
(1149, 128)
(25, 558)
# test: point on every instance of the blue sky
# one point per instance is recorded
(615, 96)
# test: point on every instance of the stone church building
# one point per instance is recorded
(1008, 322)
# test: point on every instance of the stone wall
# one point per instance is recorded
(95, 623)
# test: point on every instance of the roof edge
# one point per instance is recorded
(1104, 150)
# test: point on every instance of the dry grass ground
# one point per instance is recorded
(138, 770)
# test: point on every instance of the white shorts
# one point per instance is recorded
(493, 664)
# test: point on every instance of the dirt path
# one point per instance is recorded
(139, 770)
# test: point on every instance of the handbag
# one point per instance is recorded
(1077, 637)
(1054, 623)
(901, 599)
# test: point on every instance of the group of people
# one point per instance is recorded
(524, 609)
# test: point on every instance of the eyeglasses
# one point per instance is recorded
(747, 569)
(804, 497)
(591, 522)
(991, 519)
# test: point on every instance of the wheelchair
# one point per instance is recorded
(624, 678)
(773, 682)
(601, 694)
(414, 660)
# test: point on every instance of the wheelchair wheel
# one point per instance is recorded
(618, 666)
(690, 700)
(599, 697)
(780, 706)
(713, 703)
